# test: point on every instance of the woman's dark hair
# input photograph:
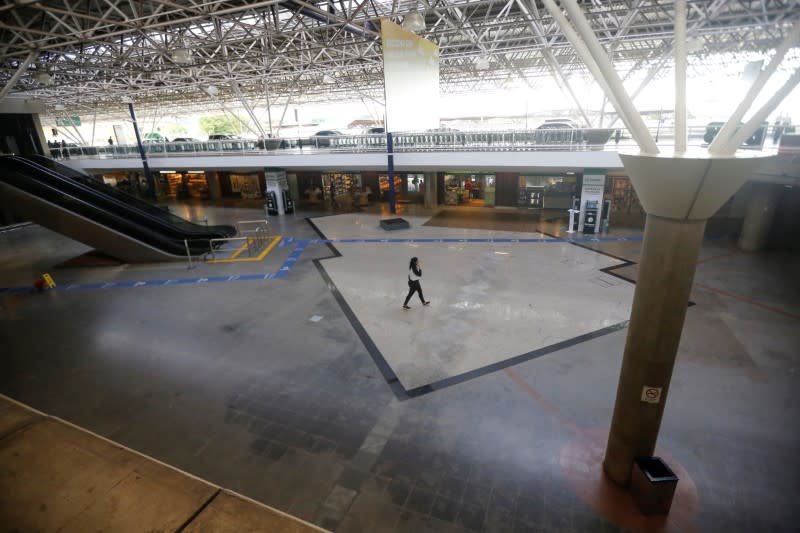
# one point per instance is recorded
(412, 263)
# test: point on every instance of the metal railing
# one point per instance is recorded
(256, 236)
(566, 139)
(255, 239)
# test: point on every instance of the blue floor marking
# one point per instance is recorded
(300, 246)
(541, 240)
(292, 259)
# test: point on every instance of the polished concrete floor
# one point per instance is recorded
(300, 382)
(58, 477)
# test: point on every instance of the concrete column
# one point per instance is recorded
(759, 215)
(214, 189)
(666, 271)
(431, 190)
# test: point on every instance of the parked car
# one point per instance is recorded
(154, 137)
(221, 137)
(375, 131)
(186, 140)
(563, 122)
(323, 138)
(558, 132)
(756, 139)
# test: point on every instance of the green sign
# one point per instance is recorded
(68, 121)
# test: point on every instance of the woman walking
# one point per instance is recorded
(414, 275)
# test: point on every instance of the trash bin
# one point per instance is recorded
(652, 485)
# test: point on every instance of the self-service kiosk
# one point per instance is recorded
(288, 203)
(590, 218)
(272, 203)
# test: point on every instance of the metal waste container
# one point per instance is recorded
(652, 485)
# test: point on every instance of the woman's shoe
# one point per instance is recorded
(426, 303)
(406, 307)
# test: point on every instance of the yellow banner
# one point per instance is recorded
(411, 79)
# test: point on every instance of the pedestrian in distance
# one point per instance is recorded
(110, 141)
(414, 275)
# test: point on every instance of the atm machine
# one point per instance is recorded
(591, 217)
(272, 203)
(288, 203)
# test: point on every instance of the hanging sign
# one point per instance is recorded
(411, 79)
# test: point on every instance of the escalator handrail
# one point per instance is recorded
(100, 215)
(107, 201)
(129, 200)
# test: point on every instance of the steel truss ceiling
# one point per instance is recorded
(183, 54)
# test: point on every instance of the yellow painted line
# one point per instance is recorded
(261, 256)
(238, 252)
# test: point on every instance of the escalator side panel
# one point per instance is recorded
(127, 201)
(81, 229)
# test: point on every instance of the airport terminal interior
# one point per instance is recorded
(211, 335)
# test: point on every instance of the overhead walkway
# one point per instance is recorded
(83, 208)
(57, 477)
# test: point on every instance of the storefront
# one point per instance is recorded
(183, 184)
(625, 207)
(409, 187)
(249, 185)
(129, 182)
(337, 184)
(547, 191)
(474, 190)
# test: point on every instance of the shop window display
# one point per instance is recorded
(336, 184)
(383, 183)
(246, 185)
(558, 190)
(469, 189)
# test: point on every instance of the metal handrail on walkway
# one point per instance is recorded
(188, 250)
(255, 239)
(258, 223)
(211, 243)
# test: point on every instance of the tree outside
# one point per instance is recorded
(215, 124)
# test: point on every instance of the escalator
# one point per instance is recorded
(134, 202)
(76, 210)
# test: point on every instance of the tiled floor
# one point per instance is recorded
(489, 302)
(268, 387)
(56, 477)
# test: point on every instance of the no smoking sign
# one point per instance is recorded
(651, 394)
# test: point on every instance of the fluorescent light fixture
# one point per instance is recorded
(196, 172)
(181, 56)
(481, 62)
(414, 22)
(44, 78)
(167, 171)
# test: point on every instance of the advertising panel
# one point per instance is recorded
(411, 79)
(594, 181)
